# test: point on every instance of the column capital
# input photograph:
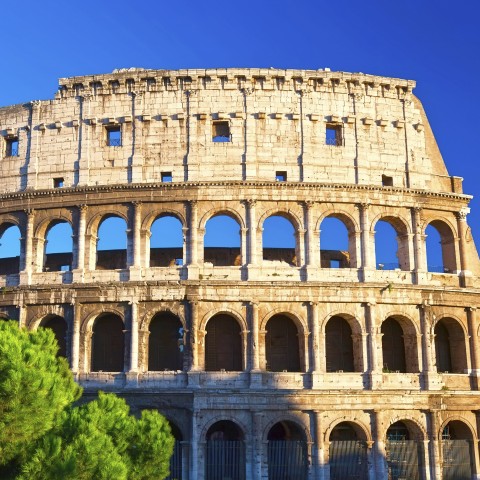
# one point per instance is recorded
(82, 207)
(471, 309)
(363, 206)
(137, 203)
(251, 202)
(309, 203)
(29, 212)
(462, 214)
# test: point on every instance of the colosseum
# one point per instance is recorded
(276, 360)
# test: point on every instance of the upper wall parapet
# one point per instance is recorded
(140, 80)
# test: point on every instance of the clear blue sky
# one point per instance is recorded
(434, 42)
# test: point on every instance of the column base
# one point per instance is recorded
(252, 272)
(78, 275)
(131, 378)
(193, 379)
(193, 271)
(466, 278)
(25, 278)
(375, 380)
(136, 274)
(431, 381)
(255, 379)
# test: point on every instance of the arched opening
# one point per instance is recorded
(391, 245)
(339, 345)
(225, 452)
(404, 452)
(222, 241)
(393, 346)
(58, 325)
(166, 242)
(223, 344)
(108, 344)
(9, 249)
(164, 352)
(440, 246)
(457, 451)
(112, 244)
(450, 347)
(279, 241)
(282, 345)
(58, 248)
(348, 452)
(176, 460)
(337, 244)
(287, 452)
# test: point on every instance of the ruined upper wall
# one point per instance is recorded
(277, 122)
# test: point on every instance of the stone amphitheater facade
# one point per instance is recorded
(280, 370)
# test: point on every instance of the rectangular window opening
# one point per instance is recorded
(387, 181)
(12, 147)
(179, 262)
(114, 136)
(281, 176)
(334, 263)
(221, 132)
(333, 135)
(167, 177)
(64, 268)
(58, 182)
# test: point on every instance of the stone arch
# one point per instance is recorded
(357, 334)
(57, 260)
(149, 219)
(146, 318)
(222, 238)
(416, 430)
(164, 352)
(224, 344)
(457, 418)
(12, 262)
(402, 355)
(450, 342)
(360, 428)
(285, 348)
(336, 257)
(226, 311)
(287, 417)
(95, 221)
(225, 450)
(355, 325)
(343, 348)
(289, 215)
(287, 451)
(227, 416)
(281, 240)
(215, 212)
(60, 328)
(167, 253)
(9, 220)
(107, 352)
(298, 318)
(397, 221)
(46, 311)
(44, 226)
(403, 244)
(346, 217)
(88, 321)
(449, 252)
(404, 319)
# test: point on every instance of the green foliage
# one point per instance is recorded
(35, 387)
(101, 440)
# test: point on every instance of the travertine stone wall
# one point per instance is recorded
(277, 121)
(383, 164)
